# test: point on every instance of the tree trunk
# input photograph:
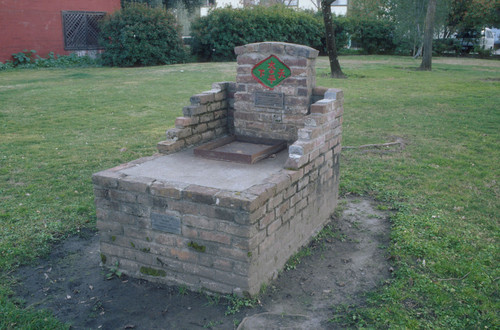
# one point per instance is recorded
(428, 35)
(336, 71)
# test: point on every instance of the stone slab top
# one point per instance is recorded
(278, 48)
(184, 167)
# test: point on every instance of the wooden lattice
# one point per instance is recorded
(81, 29)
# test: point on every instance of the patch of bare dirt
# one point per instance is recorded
(72, 284)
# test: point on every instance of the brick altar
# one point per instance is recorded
(219, 226)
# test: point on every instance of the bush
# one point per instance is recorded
(373, 36)
(140, 35)
(6, 66)
(28, 60)
(24, 57)
(446, 46)
(216, 35)
(66, 61)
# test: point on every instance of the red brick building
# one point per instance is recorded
(59, 26)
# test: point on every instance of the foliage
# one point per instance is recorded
(236, 303)
(6, 66)
(66, 61)
(446, 46)
(451, 17)
(140, 36)
(24, 57)
(216, 35)
(373, 9)
(372, 35)
(473, 14)
(482, 52)
(114, 271)
(28, 60)
(296, 258)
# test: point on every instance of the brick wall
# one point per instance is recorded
(209, 116)
(37, 25)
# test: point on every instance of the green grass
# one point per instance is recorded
(57, 127)
(444, 186)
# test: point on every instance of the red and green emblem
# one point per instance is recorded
(271, 72)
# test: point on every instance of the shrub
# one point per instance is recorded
(342, 33)
(66, 61)
(28, 60)
(446, 46)
(216, 35)
(6, 66)
(140, 35)
(373, 36)
(24, 57)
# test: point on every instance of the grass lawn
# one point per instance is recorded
(57, 127)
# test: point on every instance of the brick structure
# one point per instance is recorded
(209, 116)
(177, 223)
(277, 122)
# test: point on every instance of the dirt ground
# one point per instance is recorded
(72, 284)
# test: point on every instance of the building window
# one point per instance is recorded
(81, 29)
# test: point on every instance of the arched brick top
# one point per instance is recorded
(278, 48)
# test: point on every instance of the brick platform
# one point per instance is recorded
(203, 227)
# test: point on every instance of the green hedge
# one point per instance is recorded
(372, 36)
(140, 35)
(216, 35)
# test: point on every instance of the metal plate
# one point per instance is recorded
(166, 223)
(269, 100)
(241, 149)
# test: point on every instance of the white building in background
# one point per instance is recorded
(339, 7)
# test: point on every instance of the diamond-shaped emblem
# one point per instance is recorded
(271, 72)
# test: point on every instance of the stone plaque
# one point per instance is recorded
(269, 100)
(166, 222)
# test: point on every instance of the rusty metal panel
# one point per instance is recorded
(241, 149)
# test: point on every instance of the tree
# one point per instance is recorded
(336, 71)
(428, 36)
(473, 14)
